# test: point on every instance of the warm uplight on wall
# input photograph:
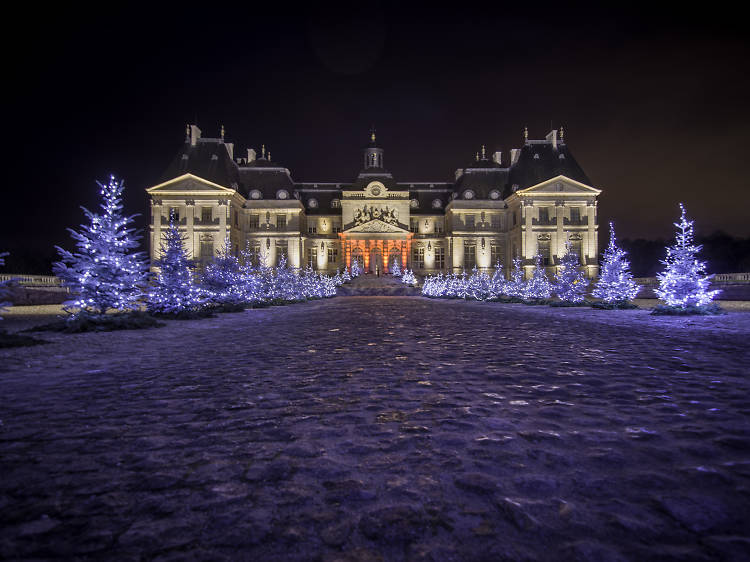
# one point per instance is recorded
(429, 246)
(268, 243)
(482, 243)
(322, 246)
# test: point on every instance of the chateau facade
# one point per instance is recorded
(495, 209)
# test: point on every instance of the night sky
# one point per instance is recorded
(654, 105)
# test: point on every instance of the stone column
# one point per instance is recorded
(189, 221)
(591, 233)
(156, 234)
(559, 241)
(223, 210)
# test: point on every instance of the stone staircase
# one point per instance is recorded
(370, 286)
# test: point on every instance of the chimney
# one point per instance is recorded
(514, 153)
(497, 157)
(459, 173)
(552, 137)
(195, 134)
(250, 155)
(230, 149)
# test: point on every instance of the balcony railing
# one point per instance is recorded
(580, 221)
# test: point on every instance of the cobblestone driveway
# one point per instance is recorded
(382, 427)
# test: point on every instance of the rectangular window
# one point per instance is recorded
(312, 229)
(207, 250)
(439, 257)
(336, 228)
(414, 225)
(543, 215)
(417, 258)
(470, 221)
(280, 222)
(438, 227)
(544, 250)
(495, 222)
(312, 258)
(206, 216)
(495, 255)
(333, 255)
(236, 218)
(254, 221)
(470, 256)
(575, 215)
(174, 211)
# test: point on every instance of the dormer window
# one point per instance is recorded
(312, 203)
(414, 203)
(494, 194)
(255, 194)
(536, 156)
(468, 194)
(515, 187)
(335, 204)
(282, 194)
(436, 203)
(562, 156)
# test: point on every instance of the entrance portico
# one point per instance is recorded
(376, 248)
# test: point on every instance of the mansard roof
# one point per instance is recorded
(539, 161)
(208, 159)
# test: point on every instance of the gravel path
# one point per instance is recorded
(394, 428)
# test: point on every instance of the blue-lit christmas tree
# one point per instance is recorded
(516, 286)
(104, 273)
(569, 283)
(615, 285)
(356, 269)
(222, 278)
(538, 287)
(409, 278)
(684, 283)
(175, 291)
(395, 269)
(497, 283)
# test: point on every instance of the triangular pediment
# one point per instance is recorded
(377, 225)
(188, 183)
(559, 185)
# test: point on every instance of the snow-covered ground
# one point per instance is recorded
(365, 427)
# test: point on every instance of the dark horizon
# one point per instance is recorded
(653, 109)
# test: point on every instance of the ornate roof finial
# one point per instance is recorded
(476, 157)
(187, 130)
(372, 134)
(222, 132)
(525, 133)
(484, 153)
(263, 151)
(562, 133)
(269, 155)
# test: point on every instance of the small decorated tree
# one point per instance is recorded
(356, 269)
(175, 291)
(395, 269)
(409, 278)
(569, 283)
(538, 288)
(105, 273)
(222, 279)
(683, 285)
(498, 283)
(517, 284)
(615, 285)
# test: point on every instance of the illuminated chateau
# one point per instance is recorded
(496, 208)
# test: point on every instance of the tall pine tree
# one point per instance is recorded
(538, 287)
(222, 279)
(615, 285)
(684, 282)
(104, 274)
(175, 291)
